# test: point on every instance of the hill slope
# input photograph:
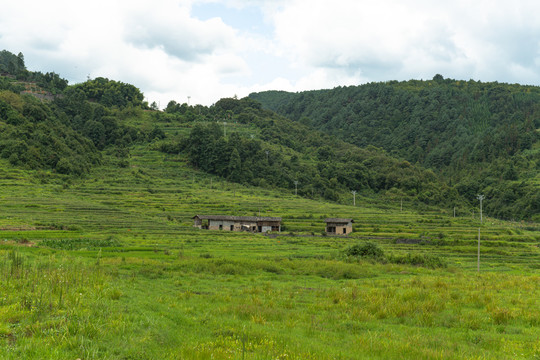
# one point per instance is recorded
(482, 136)
(256, 147)
(260, 148)
(241, 142)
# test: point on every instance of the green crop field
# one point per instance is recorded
(110, 267)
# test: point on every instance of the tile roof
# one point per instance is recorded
(237, 218)
(338, 220)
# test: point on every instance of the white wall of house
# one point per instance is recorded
(230, 225)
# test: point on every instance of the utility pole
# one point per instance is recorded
(267, 152)
(295, 187)
(478, 261)
(480, 197)
(354, 197)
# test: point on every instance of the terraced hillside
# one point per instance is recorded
(140, 281)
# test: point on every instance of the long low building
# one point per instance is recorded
(237, 223)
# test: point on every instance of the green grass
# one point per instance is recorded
(110, 267)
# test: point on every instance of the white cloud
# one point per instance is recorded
(172, 29)
(158, 47)
(162, 48)
(391, 39)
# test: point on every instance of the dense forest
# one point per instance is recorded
(481, 137)
(437, 123)
(67, 134)
(88, 118)
(438, 142)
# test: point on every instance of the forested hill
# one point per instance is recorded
(84, 124)
(436, 123)
(483, 137)
(473, 143)
(67, 134)
(258, 147)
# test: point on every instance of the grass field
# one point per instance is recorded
(110, 267)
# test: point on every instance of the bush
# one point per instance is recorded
(365, 250)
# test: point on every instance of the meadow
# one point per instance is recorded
(110, 267)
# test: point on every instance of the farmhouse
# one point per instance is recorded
(336, 226)
(237, 223)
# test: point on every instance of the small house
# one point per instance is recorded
(237, 223)
(336, 226)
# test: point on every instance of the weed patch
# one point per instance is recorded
(83, 243)
(425, 260)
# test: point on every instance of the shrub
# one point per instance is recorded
(368, 249)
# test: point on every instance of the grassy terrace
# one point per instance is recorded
(110, 267)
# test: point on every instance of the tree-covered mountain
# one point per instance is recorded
(13, 66)
(379, 140)
(437, 123)
(37, 136)
(68, 135)
(482, 137)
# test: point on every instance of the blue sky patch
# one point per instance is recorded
(247, 19)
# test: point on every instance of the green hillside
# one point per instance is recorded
(259, 148)
(252, 146)
(481, 137)
(99, 258)
(109, 266)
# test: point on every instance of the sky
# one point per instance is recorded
(200, 51)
